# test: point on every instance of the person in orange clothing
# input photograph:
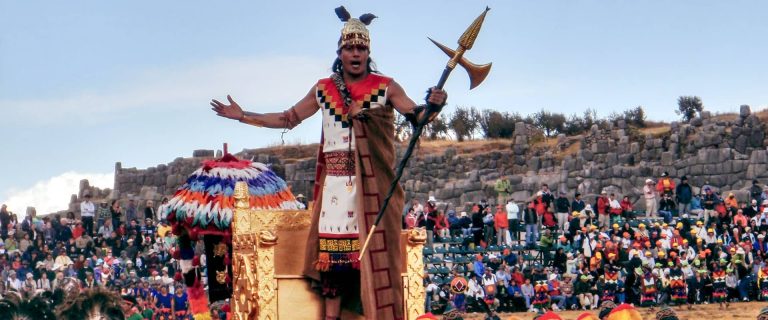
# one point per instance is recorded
(501, 224)
(665, 184)
(740, 219)
(731, 204)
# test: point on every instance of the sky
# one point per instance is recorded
(86, 84)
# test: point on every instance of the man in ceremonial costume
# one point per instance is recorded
(354, 170)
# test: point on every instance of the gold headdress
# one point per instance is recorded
(354, 31)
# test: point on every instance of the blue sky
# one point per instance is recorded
(84, 84)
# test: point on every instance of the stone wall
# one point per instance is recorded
(725, 153)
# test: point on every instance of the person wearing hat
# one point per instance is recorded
(651, 198)
(665, 184)
(345, 93)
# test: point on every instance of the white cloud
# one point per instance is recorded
(54, 194)
(253, 81)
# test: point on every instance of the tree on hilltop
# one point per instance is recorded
(689, 106)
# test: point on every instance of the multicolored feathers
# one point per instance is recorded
(206, 201)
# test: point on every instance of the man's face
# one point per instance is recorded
(354, 59)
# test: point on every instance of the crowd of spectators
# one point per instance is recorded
(691, 245)
(122, 249)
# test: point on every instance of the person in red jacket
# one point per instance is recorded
(501, 224)
(603, 213)
(442, 226)
(665, 184)
(626, 206)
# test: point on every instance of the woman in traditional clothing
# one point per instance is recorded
(720, 290)
(354, 169)
(648, 288)
(678, 287)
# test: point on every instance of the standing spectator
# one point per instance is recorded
(87, 212)
(502, 188)
(477, 225)
(684, 194)
(665, 184)
(488, 230)
(710, 200)
(5, 219)
(501, 223)
(116, 212)
(578, 204)
(546, 195)
(410, 219)
(149, 210)
(562, 208)
(513, 215)
(430, 211)
(731, 203)
(649, 193)
(615, 208)
(104, 213)
(530, 218)
(603, 213)
(130, 211)
(755, 191)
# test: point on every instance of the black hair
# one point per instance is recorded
(14, 306)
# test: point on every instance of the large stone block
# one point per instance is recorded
(758, 156)
(534, 163)
(520, 129)
(740, 144)
(756, 138)
(744, 111)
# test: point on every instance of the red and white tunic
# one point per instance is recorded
(340, 207)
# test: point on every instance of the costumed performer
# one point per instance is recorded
(354, 169)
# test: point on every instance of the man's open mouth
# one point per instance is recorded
(356, 63)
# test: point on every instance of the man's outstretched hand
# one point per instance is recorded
(231, 111)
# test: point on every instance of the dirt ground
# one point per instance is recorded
(741, 310)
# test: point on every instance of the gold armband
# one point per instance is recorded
(291, 118)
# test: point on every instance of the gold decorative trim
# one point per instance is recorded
(414, 294)
(254, 241)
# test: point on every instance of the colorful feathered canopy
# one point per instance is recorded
(206, 202)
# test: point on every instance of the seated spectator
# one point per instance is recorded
(666, 207)
(442, 227)
(626, 207)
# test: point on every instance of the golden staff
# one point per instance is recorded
(477, 74)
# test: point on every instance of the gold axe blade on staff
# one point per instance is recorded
(477, 74)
